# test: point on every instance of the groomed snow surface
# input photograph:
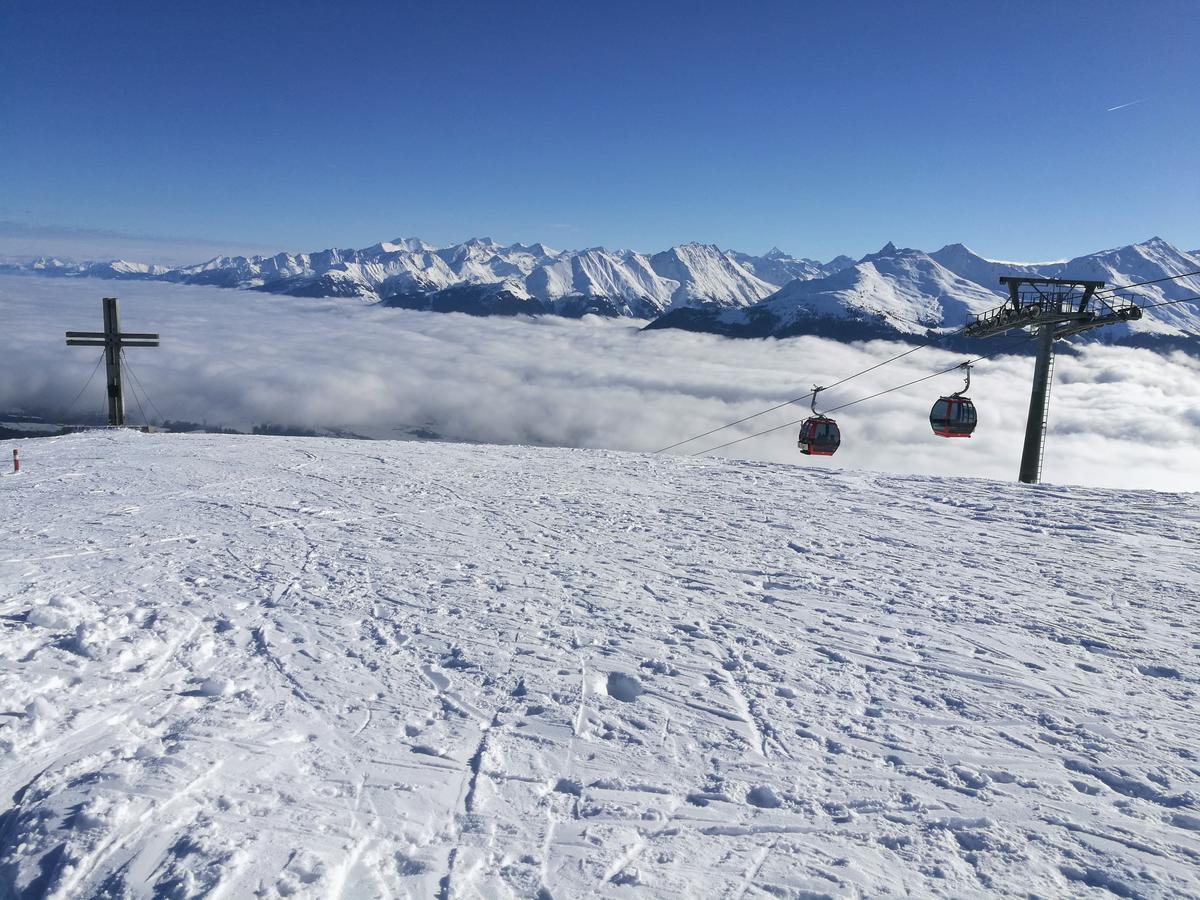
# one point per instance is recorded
(287, 667)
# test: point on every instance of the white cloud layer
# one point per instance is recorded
(1119, 417)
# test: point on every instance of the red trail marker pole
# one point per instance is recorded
(16, 461)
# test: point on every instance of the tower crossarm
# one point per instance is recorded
(1120, 314)
(1069, 305)
(1001, 319)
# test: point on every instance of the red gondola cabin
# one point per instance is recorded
(953, 417)
(819, 436)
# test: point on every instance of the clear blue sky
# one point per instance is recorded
(820, 128)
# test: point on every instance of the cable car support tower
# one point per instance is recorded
(1052, 309)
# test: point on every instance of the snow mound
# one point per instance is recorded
(296, 667)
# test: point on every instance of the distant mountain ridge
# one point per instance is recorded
(892, 293)
(901, 292)
(483, 277)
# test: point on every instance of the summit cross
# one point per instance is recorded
(113, 341)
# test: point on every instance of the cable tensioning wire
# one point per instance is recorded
(96, 369)
(133, 389)
(145, 421)
(863, 399)
(145, 393)
(142, 388)
(928, 343)
(124, 363)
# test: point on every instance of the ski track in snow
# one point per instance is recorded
(326, 668)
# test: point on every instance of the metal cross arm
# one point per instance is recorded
(98, 339)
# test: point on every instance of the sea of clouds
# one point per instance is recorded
(1119, 417)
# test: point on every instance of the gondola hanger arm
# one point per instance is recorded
(966, 367)
(816, 390)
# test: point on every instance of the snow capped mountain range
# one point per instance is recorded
(908, 292)
(481, 276)
(896, 291)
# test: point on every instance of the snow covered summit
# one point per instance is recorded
(289, 667)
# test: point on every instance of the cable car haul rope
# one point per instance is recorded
(859, 400)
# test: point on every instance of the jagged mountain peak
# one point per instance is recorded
(777, 267)
(957, 249)
(836, 264)
(408, 244)
(694, 248)
(707, 274)
(890, 251)
(536, 249)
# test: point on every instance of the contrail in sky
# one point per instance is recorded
(1123, 105)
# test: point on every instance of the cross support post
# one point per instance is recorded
(112, 363)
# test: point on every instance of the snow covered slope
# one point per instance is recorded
(704, 272)
(320, 668)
